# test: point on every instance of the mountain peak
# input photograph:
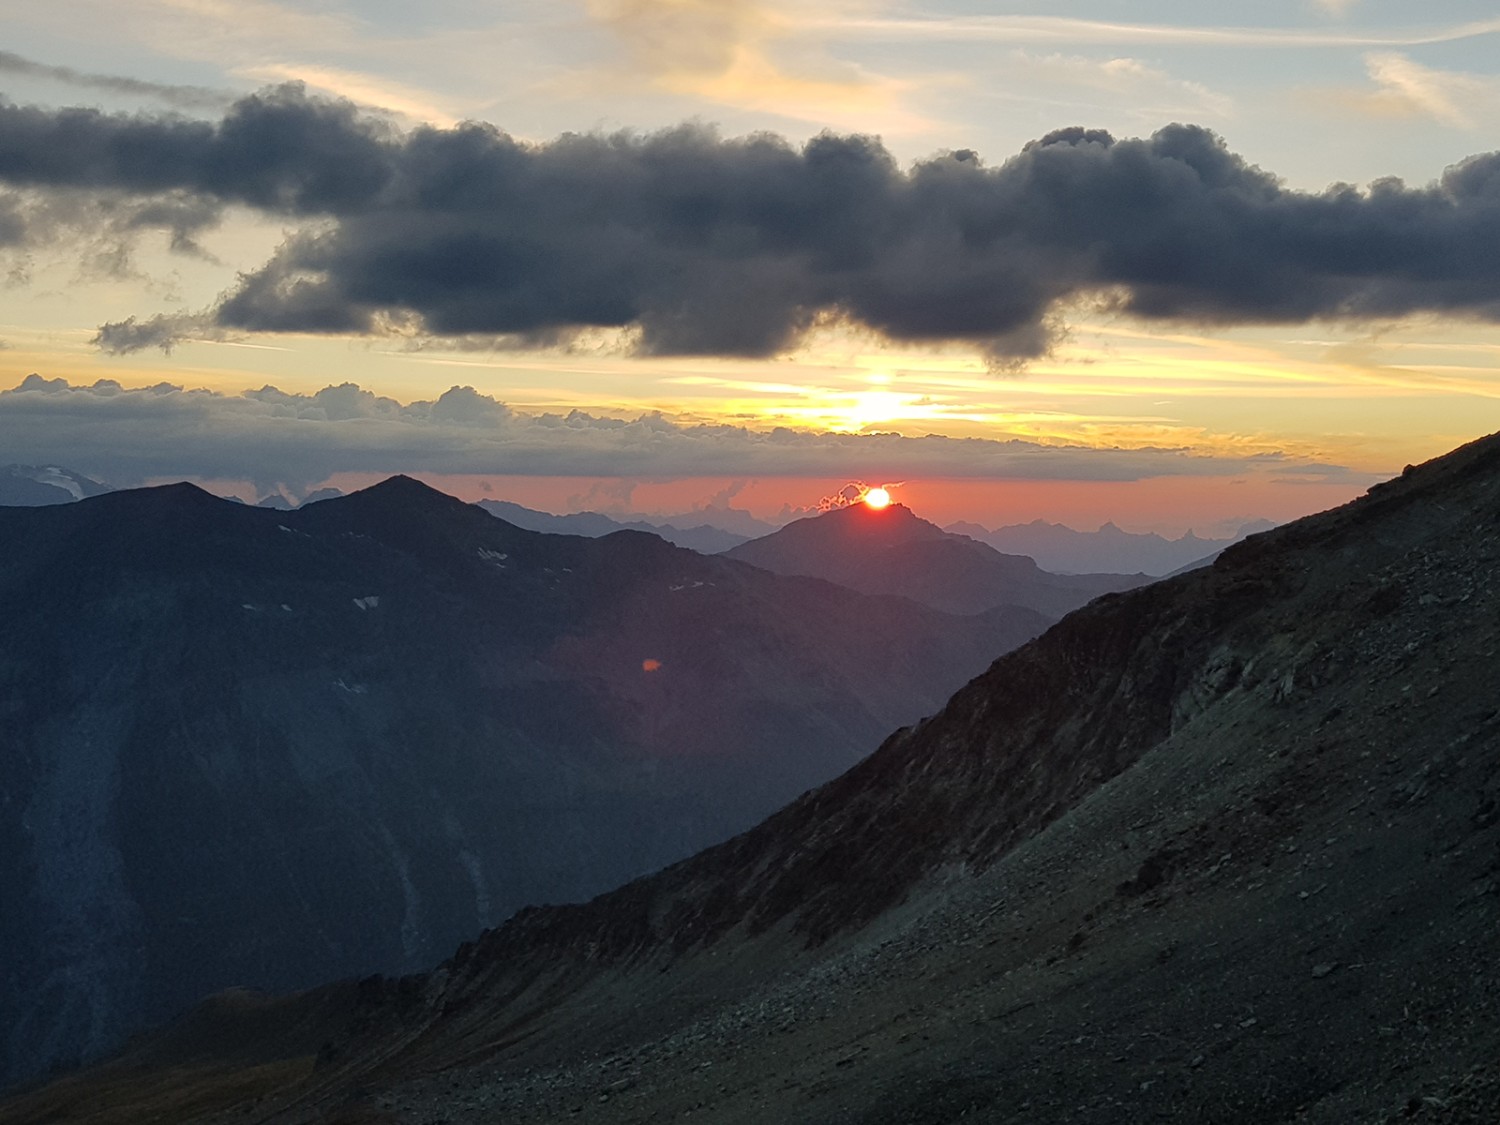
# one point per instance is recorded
(873, 527)
(401, 485)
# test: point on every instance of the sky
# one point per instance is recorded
(1160, 263)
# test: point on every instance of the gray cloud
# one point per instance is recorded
(184, 97)
(101, 228)
(702, 244)
(279, 150)
(277, 438)
(164, 331)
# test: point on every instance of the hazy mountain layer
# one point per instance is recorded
(28, 486)
(698, 537)
(1066, 551)
(893, 551)
(1224, 849)
(251, 747)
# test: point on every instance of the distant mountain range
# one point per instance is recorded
(280, 503)
(894, 551)
(1222, 850)
(704, 538)
(270, 748)
(712, 530)
(38, 485)
(1066, 551)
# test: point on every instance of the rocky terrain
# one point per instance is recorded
(246, 747)
(893, 551)
(1222, 849)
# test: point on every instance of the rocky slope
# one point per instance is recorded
(1223, 849)
(261, 748)
(894, 551)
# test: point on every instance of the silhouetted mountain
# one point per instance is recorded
(1066, 551)
(267, 748)
(702, 538)
(1225, 849)
(893, 551)
(28, 486)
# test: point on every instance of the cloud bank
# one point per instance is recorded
(700, 244)
(274, 439)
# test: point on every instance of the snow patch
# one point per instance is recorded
(54, 476)
(494, 558)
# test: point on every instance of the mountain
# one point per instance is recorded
(701, 538)
(1225, 849)
(1066, 551)
(264, 748)
(29, 486)
(893, 551)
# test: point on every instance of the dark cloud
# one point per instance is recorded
(278, 150)
(702, 244)
(164, 331)
(184, 97)
(279, 439)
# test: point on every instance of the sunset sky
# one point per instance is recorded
(1164, 263)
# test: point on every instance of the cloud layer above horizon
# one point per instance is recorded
(276, 439)
(693, 243)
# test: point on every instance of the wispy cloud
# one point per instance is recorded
(1066, 30)
(235, 32)
(1149, 91)
(1404, 88)
(755, 55)
(185, 97)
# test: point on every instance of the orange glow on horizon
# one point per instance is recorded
(1169, 505)
(650, 664)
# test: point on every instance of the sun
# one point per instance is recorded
(877, 498)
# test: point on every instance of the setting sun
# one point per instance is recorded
(877, 498)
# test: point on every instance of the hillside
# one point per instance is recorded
(1223, 849)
